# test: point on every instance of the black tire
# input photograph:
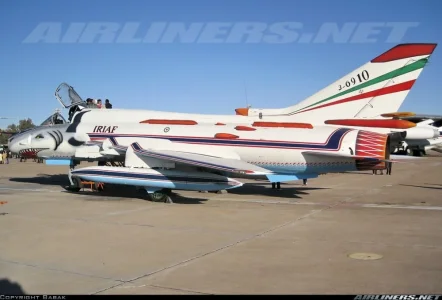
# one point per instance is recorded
(77, 182)
(72, 189)
(76, 187)
(158, 197)
(417, 153)
(161, 196)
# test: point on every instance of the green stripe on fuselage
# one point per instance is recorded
(398, 72)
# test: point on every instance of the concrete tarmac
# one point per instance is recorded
(348, 233)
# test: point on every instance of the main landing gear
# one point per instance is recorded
(160, 196)
(75, 182)
(75, 186)
(277, 184)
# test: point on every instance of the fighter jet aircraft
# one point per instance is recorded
(164, 157)
(419, 147)
(362, 99)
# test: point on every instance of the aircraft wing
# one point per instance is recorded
(201, 160)
(422, 117)
(8, 132)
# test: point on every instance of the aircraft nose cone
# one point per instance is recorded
(12, 146)
(17, 144)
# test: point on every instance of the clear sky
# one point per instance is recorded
(200, 77)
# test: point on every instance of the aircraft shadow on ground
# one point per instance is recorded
(10, 288)
(121, 191)
(358, 173)
(112, 191)
(253, 189)
(44, 179)
(128, 192)
(439, 187)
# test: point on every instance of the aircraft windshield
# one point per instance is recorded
(54, 119)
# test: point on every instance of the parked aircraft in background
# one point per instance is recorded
(163, 157)
(363, 99)
(418, 147)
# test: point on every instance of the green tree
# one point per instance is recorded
(4, 138)
(25, 124)
(12, 128)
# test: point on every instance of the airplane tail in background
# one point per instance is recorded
(377, 87)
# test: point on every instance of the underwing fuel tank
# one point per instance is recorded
(421, 133)
(161, 179)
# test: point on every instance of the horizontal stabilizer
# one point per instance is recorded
(398, 115)
(200, 160)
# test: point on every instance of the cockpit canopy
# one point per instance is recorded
(69, 98)
(54, 119)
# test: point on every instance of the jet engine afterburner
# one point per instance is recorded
(372, 145)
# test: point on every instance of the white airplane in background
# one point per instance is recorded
(419, 147)
(160, 158)
(363, 99)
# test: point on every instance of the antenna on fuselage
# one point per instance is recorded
(245, 92)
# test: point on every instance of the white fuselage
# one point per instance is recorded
(415, 135)
(282, 150)
(138, 116)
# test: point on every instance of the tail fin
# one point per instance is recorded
(376, 87)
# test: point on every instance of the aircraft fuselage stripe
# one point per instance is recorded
(333, 142)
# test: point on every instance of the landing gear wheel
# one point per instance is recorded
(76, 187)
(160, 196)
(417, 153)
